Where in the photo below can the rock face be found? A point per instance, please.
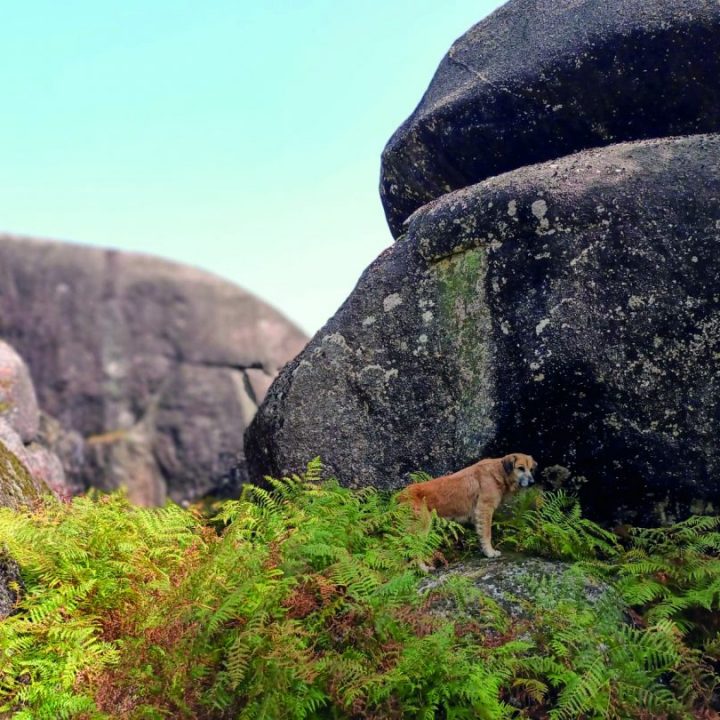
(540, 79)
(570, 310)
(151, 369)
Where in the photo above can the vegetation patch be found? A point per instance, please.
(305, 600)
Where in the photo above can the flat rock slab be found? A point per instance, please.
(514, 582)
(570, 310)
(145, 359)
(540, 79)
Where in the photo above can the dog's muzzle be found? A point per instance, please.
(526, 481)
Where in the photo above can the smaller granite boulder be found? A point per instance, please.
(20, 423)
(71, 450)
(18, 403)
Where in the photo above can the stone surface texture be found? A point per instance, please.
(540, 79)
(152, 369)
(569, 309)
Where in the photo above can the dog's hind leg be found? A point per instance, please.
(483, 527)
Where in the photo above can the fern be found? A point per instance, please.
(301, 599)
(551, 525)
(673, 573)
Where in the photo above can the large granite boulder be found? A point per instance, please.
(570, 310)
(540, 79)
(159, 367)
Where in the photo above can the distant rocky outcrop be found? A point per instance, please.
(540, 79)
(148, 370)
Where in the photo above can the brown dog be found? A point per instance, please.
(474, 493)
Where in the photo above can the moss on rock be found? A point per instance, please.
(467, 329)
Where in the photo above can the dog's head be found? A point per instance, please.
(519, 469)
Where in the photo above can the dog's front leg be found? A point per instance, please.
(483, 527)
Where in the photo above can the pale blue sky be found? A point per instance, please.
(242, 137)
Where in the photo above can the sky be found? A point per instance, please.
(240, 137)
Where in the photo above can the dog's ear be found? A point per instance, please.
(508, 463)
(534, 466)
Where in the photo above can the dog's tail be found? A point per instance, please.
(418, 504)
(423, 518)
